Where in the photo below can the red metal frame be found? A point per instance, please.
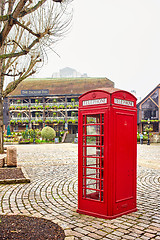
(107, 153)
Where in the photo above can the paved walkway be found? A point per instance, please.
(52, 194)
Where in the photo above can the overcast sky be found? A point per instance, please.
(117, 39)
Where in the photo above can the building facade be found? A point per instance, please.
(36, 103)
(149, 109)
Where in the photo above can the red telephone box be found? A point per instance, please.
(107, 152)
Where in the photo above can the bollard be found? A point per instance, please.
(11, 156)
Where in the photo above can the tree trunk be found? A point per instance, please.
(1, 107)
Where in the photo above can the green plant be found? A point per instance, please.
(48, 133)
(47, 121)
(19, 114)
(19, 107)
(36, 101)
(54, 114)
(18, 101)
(40, 121)
(55, 121)
(72, 100)
(32, 107)
(61, 106)
(25, 134)
(73, 113)
(69, 106)
(47, 107)
(69, 121)
(39, 107)
(12, 108)
(54, 107)
(54, 100)
(19, 121)
(61, 121)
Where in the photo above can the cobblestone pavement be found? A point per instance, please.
(52, 194)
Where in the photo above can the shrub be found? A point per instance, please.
(48, 133)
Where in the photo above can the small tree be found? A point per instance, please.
(28, 29)
(48, 133)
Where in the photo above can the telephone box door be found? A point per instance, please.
(92, 176)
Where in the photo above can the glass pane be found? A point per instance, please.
(102, 185)
(92, 194)
(101, 174)
(93, 130)
(102, 130)
(83, 119)
(93, 119)
(102, 143)
(155, 97)
(102, 162)
(84, 151)
(92, 183)
(101, 196)
(83, 172)
(84, 130)
(93, 151)
(93, 173)
(102, 118)
(92, 140)
(95, 162)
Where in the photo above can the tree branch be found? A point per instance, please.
(8, 26)
(14, 84)
(25, 27)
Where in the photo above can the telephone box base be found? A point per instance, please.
(105, 216)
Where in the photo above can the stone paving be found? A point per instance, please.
(52, 194)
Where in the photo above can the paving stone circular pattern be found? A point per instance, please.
(53, 195)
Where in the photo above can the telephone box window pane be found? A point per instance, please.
(91, 151)
(83, 192)
(92, 194)
(102, 163)
(84, 141)
(92, 183)
(83, 119)
(102, 118)
(102, 140)
(84, 151)
(92, 140)
(101, 174)
(84, 182)
(93, 173)
(93, 119)
(102, 152)
(94, 151)
(101, 196)
(102, 129)
(93, 130)
(94, 162)
(102, 185)
(83, 172)
(84, 132)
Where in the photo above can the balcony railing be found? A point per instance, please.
(44, 104)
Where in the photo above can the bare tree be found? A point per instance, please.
(28, 29)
